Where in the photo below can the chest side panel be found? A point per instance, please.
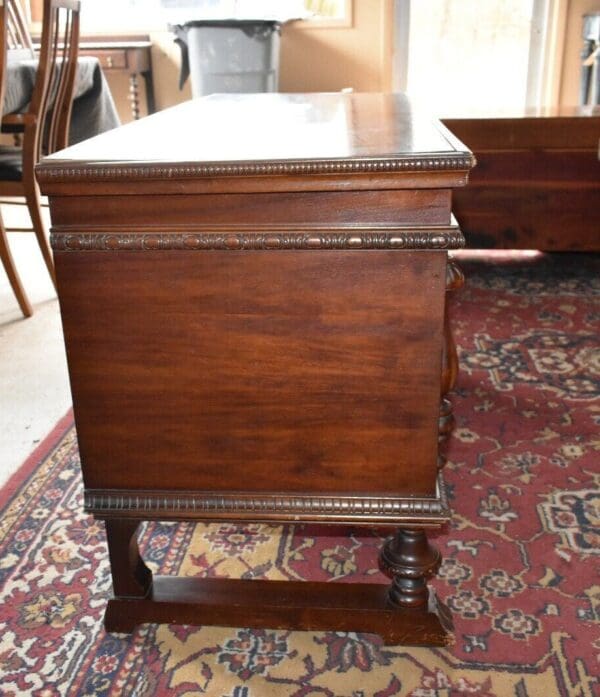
(258, 371)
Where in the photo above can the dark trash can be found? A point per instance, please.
(229, 55)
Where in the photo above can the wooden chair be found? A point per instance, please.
(17, 29)
(45, 125)
(20, 47)
(8, 39)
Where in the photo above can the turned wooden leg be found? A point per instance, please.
(410, 559)
(454, 280)
(134, 95)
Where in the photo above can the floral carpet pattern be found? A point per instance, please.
(521, 556)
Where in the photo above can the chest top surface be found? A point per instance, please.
(267, 135)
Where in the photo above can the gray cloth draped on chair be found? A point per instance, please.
(94, 110)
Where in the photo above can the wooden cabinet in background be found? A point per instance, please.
(130, 54)
(537, 180)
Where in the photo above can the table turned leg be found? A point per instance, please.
(410, 559)
(134, 95)
(131, 578)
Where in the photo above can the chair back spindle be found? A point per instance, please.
(55, 83)
(17, 28)
(14, 36)
(4, 41)
(45, 124)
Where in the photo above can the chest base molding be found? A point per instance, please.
(169, 505)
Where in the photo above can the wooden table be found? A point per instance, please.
(133, 57)
(537, 180)
(129, 54)
(254, 317)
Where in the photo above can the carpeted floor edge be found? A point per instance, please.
(41, 452)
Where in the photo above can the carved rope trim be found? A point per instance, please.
(447, 239)
(174, 503)
(53, 172)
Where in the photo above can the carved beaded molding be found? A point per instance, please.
(51, 172)
(76, 242)
(153, 504)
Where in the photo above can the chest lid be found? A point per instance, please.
(267, 142)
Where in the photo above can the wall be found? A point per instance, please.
(330, 59)
(165, 67)
(312, 58)
(569, 88)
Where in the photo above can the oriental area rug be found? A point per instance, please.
(521, 556)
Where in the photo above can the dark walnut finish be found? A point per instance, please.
(253, 300)
(537, 181)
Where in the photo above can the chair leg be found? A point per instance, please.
(11, 272)
(32, 195)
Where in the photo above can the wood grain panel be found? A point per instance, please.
(264, 371)
(536, 184)
(532, 200)
(187, 212)
(562, 169)
(575, 131)
(509, 217)
(295, 605)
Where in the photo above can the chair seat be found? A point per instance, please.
(11, 164)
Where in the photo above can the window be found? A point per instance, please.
(469, 56)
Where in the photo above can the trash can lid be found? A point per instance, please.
(231, 22)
